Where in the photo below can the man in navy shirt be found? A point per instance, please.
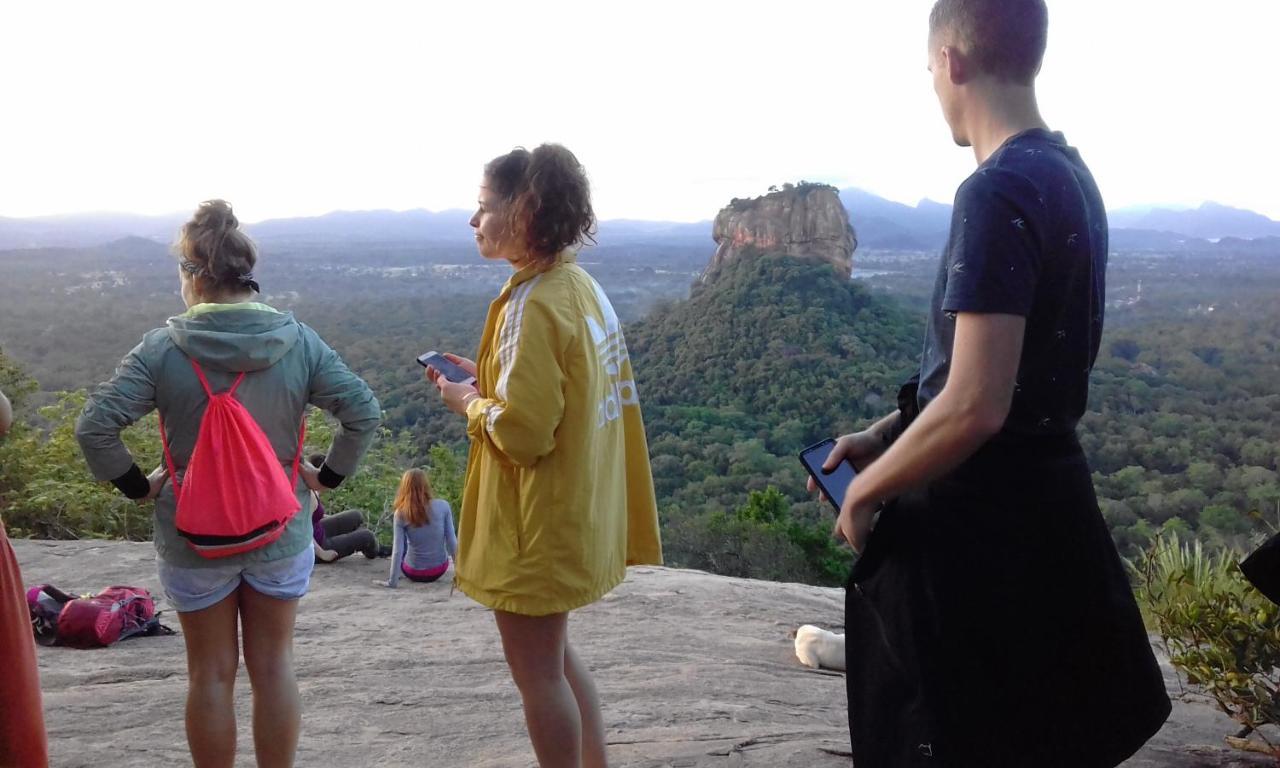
(989, 619)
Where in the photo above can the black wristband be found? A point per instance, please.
(133, 483)
(329, 478)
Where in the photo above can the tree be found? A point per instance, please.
(1125, 349)
(48, 491)
(1204, 476)
(1258, 452)
(766, 507)
(1225, 520)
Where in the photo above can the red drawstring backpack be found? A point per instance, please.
(234, 496)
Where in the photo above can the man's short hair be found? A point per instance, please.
(1004, 38)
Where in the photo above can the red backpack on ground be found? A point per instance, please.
(234, 496)
(113, 614)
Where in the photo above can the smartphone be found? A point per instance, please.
(833, 483)
(451, 371)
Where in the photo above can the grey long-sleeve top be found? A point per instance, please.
(424, 546)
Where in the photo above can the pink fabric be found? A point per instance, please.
(233, 486)
(425, 573)
(22, 738)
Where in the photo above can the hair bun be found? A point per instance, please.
(218, 249)
(215, 215)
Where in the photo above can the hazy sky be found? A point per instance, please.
(674, 107)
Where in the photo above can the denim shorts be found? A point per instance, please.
(194, 589)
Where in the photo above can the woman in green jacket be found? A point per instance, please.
(287, 366)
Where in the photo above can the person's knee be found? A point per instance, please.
(267, 625)
(366, 542)
(352, 520)
(213, 671)
(265, 665)
(535, 650)
(534, 678)
(533, 672)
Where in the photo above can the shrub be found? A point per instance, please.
(762, 539)
(1217, 629)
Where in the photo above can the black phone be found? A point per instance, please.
(451, 371)
(833, 483)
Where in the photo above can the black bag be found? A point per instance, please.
(1262, 568)
(908, 405)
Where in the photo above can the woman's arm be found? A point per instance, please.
(6, 415)
(450, 536)
(322, 554)
(397, 552)
(334, 388)
(520, 416)
(113, 406)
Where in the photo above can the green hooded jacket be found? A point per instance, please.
(288, 367)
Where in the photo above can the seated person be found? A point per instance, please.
(340, 535)
(424, 536)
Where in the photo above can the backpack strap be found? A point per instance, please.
(302, 427)
(168, 457)
(204, 383)
(55, 593)
(302, 439)
(164, 436)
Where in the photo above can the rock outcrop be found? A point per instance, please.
(806, 221)
(694, 670)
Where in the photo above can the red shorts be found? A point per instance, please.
(22, 739)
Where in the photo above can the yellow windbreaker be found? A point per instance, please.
(559, 494)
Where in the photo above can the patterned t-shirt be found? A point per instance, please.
(1028, 237)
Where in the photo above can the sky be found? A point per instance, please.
(674, 108)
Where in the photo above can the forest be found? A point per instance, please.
(735, 377)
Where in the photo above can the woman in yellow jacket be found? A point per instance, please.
(559, 496)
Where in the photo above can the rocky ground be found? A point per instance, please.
(694, 670)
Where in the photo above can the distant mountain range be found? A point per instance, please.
(82, 229)
(1209, 222)
(887, 225)
(880, 224)
(884, 224)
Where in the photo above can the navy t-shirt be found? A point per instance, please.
(1028, 237)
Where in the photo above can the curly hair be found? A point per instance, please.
(546, 197)
(215, 252)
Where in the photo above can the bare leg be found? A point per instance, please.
(213, 656)
(268, 655)
(535, 651)
(584, 691)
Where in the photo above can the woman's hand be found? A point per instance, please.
(456, 396)
(311, 476)
(157, 480)
(467, 365)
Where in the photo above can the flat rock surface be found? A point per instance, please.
(693, 669)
